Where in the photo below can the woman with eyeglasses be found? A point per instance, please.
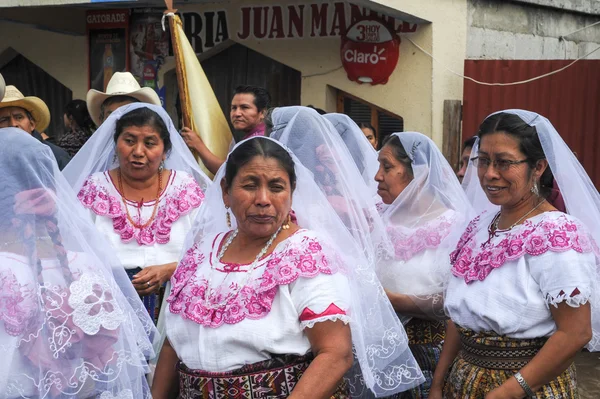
(523, 296)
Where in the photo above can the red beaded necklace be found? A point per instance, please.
(124, 199)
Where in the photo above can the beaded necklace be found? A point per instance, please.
(253, 266)
(124, 199)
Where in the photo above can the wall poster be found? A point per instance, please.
(108, 50)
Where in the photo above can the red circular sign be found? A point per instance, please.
(370, 52)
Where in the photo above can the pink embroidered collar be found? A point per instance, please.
(410, 242)
(298, 256)
(477, 255)
(179, 198)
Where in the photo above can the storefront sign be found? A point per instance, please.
(107, 33)
(308, 20)
(370, 52)
(208, 29)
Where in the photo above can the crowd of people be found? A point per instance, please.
(313, 265)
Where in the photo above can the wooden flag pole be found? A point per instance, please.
(181, 83)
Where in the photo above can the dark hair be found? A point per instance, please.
(77, 109)
(262, 98)
(367, 125)
(113, 100)
(144, 117)
(469, 143)
(263, 147)
(399, 152)
(319, 110)
(529, 142)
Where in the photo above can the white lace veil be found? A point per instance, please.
(580, 196)
(318, 145)
(362, 151)
(71, 324)
(98, 153)
(424, 224)
(380, 342)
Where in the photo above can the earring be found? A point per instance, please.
(161, 166)
(228, 216)
(286, 225)
(115, 158)
(535, 189)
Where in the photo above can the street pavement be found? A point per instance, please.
(588, 375)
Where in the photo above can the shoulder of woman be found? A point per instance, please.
(96, 179)
(558, 219)
(307, 240)
(184, 177)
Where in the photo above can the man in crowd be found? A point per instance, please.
(122, 89)
(247, 114)
(32, 115)
(464, 158)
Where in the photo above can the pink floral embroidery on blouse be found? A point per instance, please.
(181, 198)
(475, 261)
(189, 296)
(17, 305)
(409, 242)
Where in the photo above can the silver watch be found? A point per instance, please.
(524, 385)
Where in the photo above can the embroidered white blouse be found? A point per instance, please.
(415, 268)
(159, 243)
(299, 284)
(507, 284)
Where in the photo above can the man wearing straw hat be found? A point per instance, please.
(122, 89)
(30, 114)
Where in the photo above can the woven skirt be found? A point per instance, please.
(151, 302)
(487, 360)
(271, 379)
(425, 338)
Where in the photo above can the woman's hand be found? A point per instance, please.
(436, 392)
(151, 278)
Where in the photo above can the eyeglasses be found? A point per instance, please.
(501, 165)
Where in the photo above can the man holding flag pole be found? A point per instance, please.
(248, 109)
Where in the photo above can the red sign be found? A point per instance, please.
(370, 52)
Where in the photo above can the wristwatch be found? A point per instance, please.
(524, 384)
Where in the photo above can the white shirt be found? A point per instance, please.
(540, 263)
(421, 263)
(162, 241)
(294, 287)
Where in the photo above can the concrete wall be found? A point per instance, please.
(508, 30)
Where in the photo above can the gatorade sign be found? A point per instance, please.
(370, 52)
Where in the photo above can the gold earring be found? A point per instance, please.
(286, 225)
(228, 217)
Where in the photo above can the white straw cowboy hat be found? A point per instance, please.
(2, 87)
(121, 84)
(35, 106)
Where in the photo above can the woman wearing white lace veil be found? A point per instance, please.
(425, 211)
(360, 148)
(67, 329)
(318, 145)
(142, 187)
(231, 318)
(524, 296)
